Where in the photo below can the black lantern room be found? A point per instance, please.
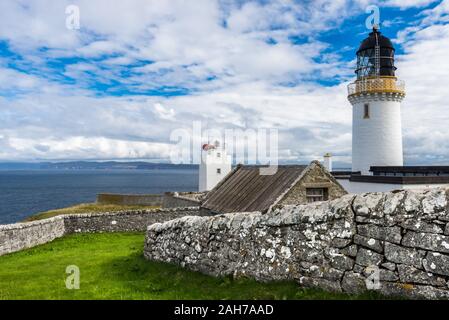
(375, 56)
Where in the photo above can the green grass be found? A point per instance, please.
(86, 208)
(112, 267)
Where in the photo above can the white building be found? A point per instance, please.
(377, 154)
(215, 165)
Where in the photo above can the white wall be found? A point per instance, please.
(424, 186)
(376, 141)
(363, 187)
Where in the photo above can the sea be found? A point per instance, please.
(27, 192)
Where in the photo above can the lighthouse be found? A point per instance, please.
(376, 98)
(377, 157)
(215, 165)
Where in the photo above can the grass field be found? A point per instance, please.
(86, 208)
(112, 267)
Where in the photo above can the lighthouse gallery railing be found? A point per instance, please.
(377, 85)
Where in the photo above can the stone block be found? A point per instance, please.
(342, 262)
(340, 243)
(409, 274)
(333, 274)
(398, 254)
(389, 265)
(367, 204)
(390, 234)
(350, 251)
(368, 258)
(428, 241)
(387, 275)
(369, 243)
(437, 263)
(421, 226)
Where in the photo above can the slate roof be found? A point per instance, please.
(245, 190)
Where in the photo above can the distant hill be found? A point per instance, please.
(107, 165)
(92, 165)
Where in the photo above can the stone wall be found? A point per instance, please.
(396, 243)
(130, 199)
(16, 237)
(194, 195)
(130, 221)
(180, 200)
(167, 200)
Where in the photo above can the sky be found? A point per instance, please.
(136, 70)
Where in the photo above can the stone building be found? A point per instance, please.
(245, 189)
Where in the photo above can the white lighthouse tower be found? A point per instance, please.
(215, 165)
(376, 98)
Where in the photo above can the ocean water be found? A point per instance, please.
(26, 192)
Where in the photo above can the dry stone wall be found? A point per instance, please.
(127, 221)
(179, 200)
(396, 243)
(16, 237)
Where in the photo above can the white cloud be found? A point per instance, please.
(14, 80)
(426, 110)
(100, 48)
(79, 147)
(163, 113)
(403, 4)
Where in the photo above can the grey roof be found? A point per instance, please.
(400, 179)
(430, 170)
(245, 190)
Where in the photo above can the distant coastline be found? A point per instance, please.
(102, 165)
(93, 165)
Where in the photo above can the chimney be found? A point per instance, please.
(328, 162)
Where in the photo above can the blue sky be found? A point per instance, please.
(137, 70)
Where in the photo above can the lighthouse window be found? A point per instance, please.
(366, 111)
(218, 155)
(218, 171)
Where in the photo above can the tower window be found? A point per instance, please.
(366, 111)
(218, 171)
(218, 155)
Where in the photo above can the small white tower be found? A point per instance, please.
(215, 165)
(376, 98)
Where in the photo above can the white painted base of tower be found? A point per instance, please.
(377, 132)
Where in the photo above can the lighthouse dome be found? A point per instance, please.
(367, 55)
(370, 42)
